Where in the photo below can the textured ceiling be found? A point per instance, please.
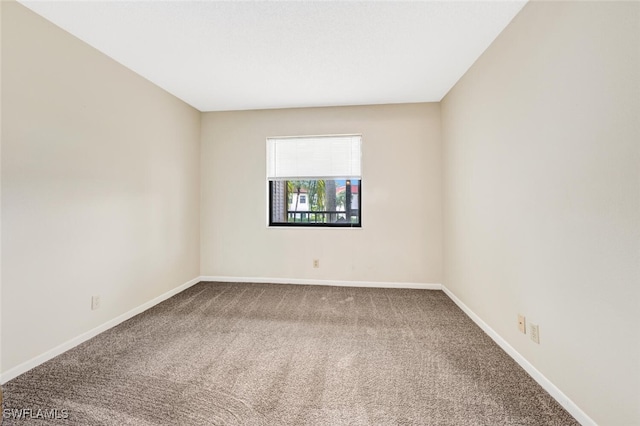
(251, 55)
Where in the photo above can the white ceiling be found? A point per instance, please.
(269, 54)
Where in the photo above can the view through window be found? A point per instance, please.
(323, 201)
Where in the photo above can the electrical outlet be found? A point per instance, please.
(95, 302)
(522, 325)
(534, 332)
(316, 263)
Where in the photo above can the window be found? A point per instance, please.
(314, 181)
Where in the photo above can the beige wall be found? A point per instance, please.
(1, 6)
(400, 239)
(541, 160)
(100, 187)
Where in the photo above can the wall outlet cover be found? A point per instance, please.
(95, 302)
(522, 324)
(534, 332)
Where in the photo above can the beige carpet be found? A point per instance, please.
(265, 354)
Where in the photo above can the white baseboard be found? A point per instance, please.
(374, 284)
(46, 356)
(546, 384)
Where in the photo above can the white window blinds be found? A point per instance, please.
(314, 157)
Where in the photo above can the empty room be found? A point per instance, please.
(320, 212)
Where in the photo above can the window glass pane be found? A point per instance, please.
(315, 202)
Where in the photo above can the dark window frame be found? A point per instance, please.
(315, 225)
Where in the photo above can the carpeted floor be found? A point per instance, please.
(265, 354)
